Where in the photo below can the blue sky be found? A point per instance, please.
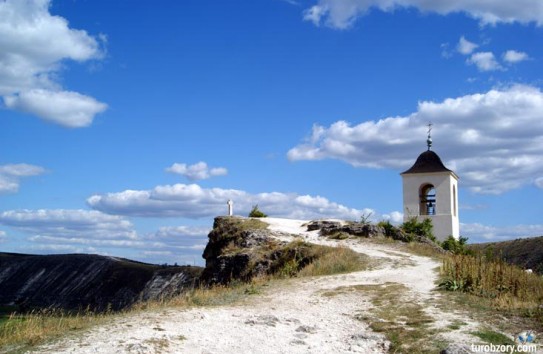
(126, 126)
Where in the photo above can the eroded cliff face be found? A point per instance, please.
(244, 248)
(81, 281)
(238, 248)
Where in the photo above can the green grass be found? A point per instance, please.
(493, 337)
(5, 313)
(240, 224)
(456, 325)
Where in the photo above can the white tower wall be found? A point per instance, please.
(445, 220)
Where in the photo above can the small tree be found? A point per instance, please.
(421, 228)
(387, 226)
(456, 246)
(365, 218)
(256, 213)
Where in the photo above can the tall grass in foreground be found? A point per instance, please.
(34, 327)
(509, 287)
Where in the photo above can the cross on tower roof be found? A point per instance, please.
(429, 140)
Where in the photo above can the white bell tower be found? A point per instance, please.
(430, 190)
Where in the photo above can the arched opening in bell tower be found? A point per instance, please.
(427, 200)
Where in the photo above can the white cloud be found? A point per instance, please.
(69, 109)
(193, 201)
(315, 14)
(169, 232)
(513, 57)
(342, 14)
(178, 239)
(197, 171)
(33, 45)
(292, 2)
(465, 47)
(486, 233)
(10, 175)
(66, 224)
(539, 182)
(395, 217)
(86, 241)
(493, 140)
(484, 61)
(90, 231)
(445, 51)
(60, 248)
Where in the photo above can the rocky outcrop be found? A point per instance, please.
(243, 248)
(81, 281)
(335, 228)
(238, 248)
(328, 228)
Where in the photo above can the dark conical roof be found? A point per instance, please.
(428, 161)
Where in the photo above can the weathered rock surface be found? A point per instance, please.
(322, 225)
(352, 228)
(243, 248)
(80, 281)
(232, 250)
(331, 228)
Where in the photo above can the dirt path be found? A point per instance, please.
(296, 317)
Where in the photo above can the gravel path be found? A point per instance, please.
(291, 318)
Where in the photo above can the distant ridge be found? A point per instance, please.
(524, 252)
(80, 281)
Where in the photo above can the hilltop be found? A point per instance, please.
(390, 303)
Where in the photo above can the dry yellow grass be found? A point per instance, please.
(32, 328)
(509, 287)
(335, 261)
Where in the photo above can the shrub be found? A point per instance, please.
(365, 218)
(256, 213)
(456, 246)
(388, 227)
(420, 228)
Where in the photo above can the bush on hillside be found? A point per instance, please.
(256, 213)
(390, 230)
(456, 246)
(419, 228)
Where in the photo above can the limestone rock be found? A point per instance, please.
(322, 224)
(243, 248)
(352, 228)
